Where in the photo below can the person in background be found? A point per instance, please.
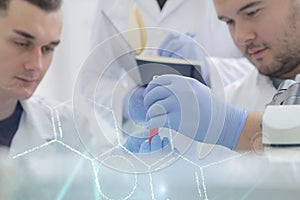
(197, 18)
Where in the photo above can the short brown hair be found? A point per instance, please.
(46, 5)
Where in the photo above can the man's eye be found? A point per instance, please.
(47, 49)
(253, 13)
(22, 44)
(229, 22)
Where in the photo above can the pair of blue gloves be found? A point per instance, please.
(187, 106)
(183, 104)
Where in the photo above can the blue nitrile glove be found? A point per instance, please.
(133, 144)
(184, 47)
(156, 144)
(189, 107)
(142, 145)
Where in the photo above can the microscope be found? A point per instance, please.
(281, 120)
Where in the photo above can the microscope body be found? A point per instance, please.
(281, 120)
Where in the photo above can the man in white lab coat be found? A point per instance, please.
(272, 45)
(30, 31)
(182, 16)
(267, 32)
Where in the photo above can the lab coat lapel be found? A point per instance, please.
(152, 9)
(35, 128)
(170, 6)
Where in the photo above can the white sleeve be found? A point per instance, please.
(229, 69)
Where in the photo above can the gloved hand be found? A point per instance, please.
(142, 145)
(189, 107)
(184, 47)
(137, 112)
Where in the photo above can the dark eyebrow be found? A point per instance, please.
(28, 36)
(24, 34)
(55, 43)
(251, 4)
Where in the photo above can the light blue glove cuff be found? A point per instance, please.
(234, 123)
(225, 125)
(226, 122)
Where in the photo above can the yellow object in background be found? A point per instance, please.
(136, 35)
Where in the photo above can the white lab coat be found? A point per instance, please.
(36, 127)
(43, 121)
(193, 16)
(253, 92)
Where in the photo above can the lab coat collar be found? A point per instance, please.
(170, 6)
(36, 127)
(38, 112)
(152, 7)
